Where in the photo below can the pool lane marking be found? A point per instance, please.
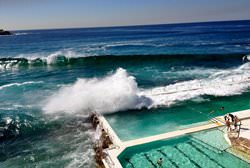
(122, 145)
(206, 145)
(202, 152)
(189, 158)
(128, 160)
(171, 161)
(149, 160)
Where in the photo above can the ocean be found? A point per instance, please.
(50, 80)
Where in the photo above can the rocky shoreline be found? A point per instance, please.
(3, 32)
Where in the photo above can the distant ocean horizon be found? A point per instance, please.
(50, 80)
(132, 25)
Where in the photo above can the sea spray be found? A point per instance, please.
(119, 92)
(115, 92)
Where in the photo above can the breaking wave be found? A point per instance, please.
(62, 58)
(115, 92)
(119, 92)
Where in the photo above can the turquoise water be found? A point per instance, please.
(50, 80)
(143, 123)
(202, 149)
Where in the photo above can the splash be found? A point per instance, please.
(115, 92)
(119, 92)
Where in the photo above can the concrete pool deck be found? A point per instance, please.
(245, 129)
(119, 146)
(240, 141)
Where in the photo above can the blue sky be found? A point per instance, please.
(40, 14)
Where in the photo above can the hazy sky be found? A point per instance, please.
(39, 14)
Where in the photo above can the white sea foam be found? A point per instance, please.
(19, 84)
(119, 91)
(46, 58)
(246, 58)
(8, 64)
(223, 83)
(8, 120)
(18, 34)
(116, 92)
(51, 58)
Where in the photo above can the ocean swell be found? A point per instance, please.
(119, 92)
(63, 58)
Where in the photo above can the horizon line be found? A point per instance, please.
(132, 25)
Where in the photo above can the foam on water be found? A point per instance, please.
(115, 92)
(119, 92)
(223, 83)
(19, 84)
(19, 33)
(52, 58)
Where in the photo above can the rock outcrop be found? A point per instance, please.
(3, 32)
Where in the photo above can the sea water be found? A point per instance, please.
(145, 80)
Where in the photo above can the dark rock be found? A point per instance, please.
(3, 32)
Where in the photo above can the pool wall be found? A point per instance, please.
(113, 153)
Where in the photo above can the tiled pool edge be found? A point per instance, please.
(119, 146)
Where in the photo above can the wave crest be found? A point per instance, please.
(62, 58)
(115, 92)
(119, 92)
(19, 84)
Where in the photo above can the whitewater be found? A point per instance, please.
(119, 91)
(145, 80)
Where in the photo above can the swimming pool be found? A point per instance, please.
(202, 149)
(147, 122)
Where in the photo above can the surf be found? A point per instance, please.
(119, 91)
(115, 92)
(65, 58)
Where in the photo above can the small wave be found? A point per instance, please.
(19, 34)
(125, 44)
(19, 84)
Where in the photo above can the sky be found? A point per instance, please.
(44, 14)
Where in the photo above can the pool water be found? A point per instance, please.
(135, 124)
(203, 149)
